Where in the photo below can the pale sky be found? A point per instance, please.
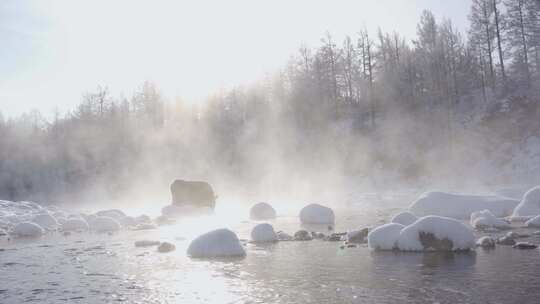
(52, 51)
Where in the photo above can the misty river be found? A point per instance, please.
(101, 268)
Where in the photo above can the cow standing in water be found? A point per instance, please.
(193, 193)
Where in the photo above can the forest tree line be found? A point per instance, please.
(374, 106)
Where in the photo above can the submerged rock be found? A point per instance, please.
(263, 233)
(216, 243)
(302, 235)
(486, 242)
(262, 211)
(506, 241)
(525, 245)
(336, 237)
(316, 214)
(282, 236)
(166, 247)
(146, 243)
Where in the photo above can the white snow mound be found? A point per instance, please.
(404, 218)
(263, 233)
(385, 237)
(436, 233)
(316, 214)
(104, 224)
(460, 206)
(485, 219)
(262, 211)
(27, 229)
(529, 205)
(216, 243)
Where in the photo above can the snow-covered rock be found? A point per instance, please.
(263, 233)
(216, 243)
(529, 205)
(46, 221)
(75, 225)
(534, 222)
(485, 219)
(436, 233)
(404, 218)
(358, 236)
(316, 214)
(262, 211)
(27, 229)
(104, 224)
(460, 206)
(385, 237)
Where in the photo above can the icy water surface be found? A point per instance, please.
(93, 268)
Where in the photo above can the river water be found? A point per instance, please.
(101, 268)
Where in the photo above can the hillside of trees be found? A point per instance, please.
(443, 109)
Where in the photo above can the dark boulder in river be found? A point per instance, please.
(194, 193)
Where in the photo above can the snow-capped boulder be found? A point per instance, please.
(316, 214)
(460, 206)
(75, 225)
(262, 211)
(28, 229)
(404, 218)
(385, 237)
(216, 243)
(534, 222)
(486, 242)
(529, 205)
(485, 219)
(46, 221)
(104, 224)
(436, 233)
(263, 233)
